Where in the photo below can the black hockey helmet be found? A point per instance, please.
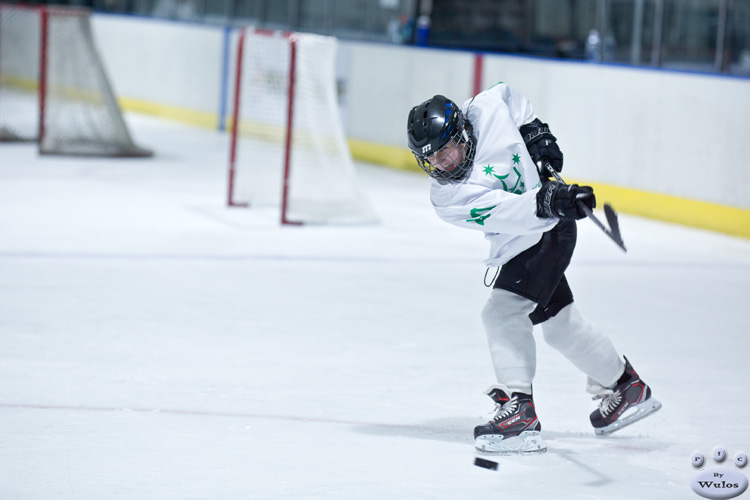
(434, 126)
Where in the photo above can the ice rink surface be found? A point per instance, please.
(155, 344)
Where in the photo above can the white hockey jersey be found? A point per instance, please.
(498, 196)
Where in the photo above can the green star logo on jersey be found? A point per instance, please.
(515, 189)
(518, 186)
(476, 214)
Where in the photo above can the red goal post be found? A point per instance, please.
(288, 147)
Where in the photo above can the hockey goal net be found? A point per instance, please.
(288, 147)
(53, 87)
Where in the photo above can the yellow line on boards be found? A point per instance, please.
(693, 213)
(381, 154)
(192, 117)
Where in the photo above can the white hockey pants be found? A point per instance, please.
(513, 348)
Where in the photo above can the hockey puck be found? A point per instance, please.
(487, 464)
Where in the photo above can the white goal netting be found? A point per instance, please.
(308, 172)
(53, 87)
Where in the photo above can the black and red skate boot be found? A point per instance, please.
(627, 402)
(515, 429)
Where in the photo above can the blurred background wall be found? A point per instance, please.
(705, 35)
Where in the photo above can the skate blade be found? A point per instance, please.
(526, 443)
(642, 411)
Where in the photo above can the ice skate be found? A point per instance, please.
(514, 430)
(629, 401)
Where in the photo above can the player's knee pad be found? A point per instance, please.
(567, 329)
(583, 344)
(504, 307)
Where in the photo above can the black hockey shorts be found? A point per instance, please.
(538, 272)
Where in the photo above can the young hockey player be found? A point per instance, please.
(487, 164)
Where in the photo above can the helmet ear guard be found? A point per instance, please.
(431, 127)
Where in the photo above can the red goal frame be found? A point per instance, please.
(291, 39)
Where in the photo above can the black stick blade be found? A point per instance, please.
(614, 225)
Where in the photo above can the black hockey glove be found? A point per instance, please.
(559, 200)
(542, 145)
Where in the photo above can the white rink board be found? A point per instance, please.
(385, 82)
(156, 344)
(167, 63)
(655, 131)
(659, 131)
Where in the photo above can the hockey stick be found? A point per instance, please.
(614, 226)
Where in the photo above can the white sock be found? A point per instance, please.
(590, 350)
(510, 338)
